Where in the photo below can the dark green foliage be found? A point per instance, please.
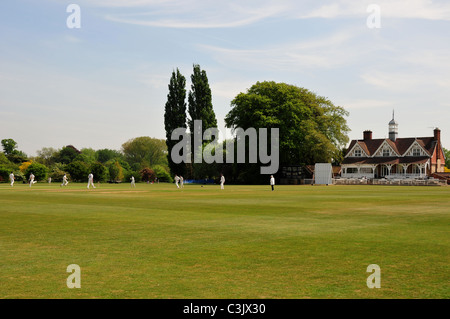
(57, 172)
(39, 171)
(9, 145)
(13, 155)
(4, 173)
(66, 155)
(115, 171)
(104, 155)
(200, 108)
(200, 101)
(78, 171)
(447, 157)
(175, 116)
(127, 176)
(99, 171)
(162, 174)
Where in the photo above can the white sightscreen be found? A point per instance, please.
(323, 173)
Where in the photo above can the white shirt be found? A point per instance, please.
(64, 178)
(272, 181)
(31, 176)
(132, 178)
(11, 176)
(91, 176)
(177, 179)
(222, 179)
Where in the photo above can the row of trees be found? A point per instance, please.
(312, 129)
(145, 158)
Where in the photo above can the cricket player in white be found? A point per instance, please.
(177, 179)
(132, 182)
(181, 181)
(65, 181)
(272, 181)
(90, 180)
(222, 181)
(11, 178)
(32, 181)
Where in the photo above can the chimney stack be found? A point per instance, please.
(367, 135)
(437, 134)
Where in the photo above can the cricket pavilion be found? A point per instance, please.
(394, 158)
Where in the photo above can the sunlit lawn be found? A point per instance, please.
(156, 241)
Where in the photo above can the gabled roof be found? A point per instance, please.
(400, 146)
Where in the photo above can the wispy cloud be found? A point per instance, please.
(325, 52)
(231, 14)
(412, 9)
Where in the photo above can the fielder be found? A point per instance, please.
(181, 181)
(32, 181)
(177, 179)
(222, 181)
(90, 180)
(272, 181)
(65, 181)
(11, 179)
(132, 182)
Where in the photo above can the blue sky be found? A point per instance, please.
(106, 82)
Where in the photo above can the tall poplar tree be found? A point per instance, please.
(200, 101)
(175, 116)
(200, 108)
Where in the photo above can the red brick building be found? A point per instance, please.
(394, 157)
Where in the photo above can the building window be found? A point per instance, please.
(386, 153)
(416, 152)
(352, 170)
(358, 153)
(366, 170)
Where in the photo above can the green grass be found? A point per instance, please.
(156, 241)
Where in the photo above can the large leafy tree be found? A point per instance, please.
(46, 155)
(9, 145)
(312, 128)
(67, 154)
(145, 151)
(104, 155)
(175, 116)
(11, 152)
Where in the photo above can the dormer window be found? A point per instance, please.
(416, 152)
(386, 153)
(358, 153)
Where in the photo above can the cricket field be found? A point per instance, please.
(159, 242)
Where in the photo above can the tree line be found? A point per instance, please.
(311, 128)
(144, 157)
